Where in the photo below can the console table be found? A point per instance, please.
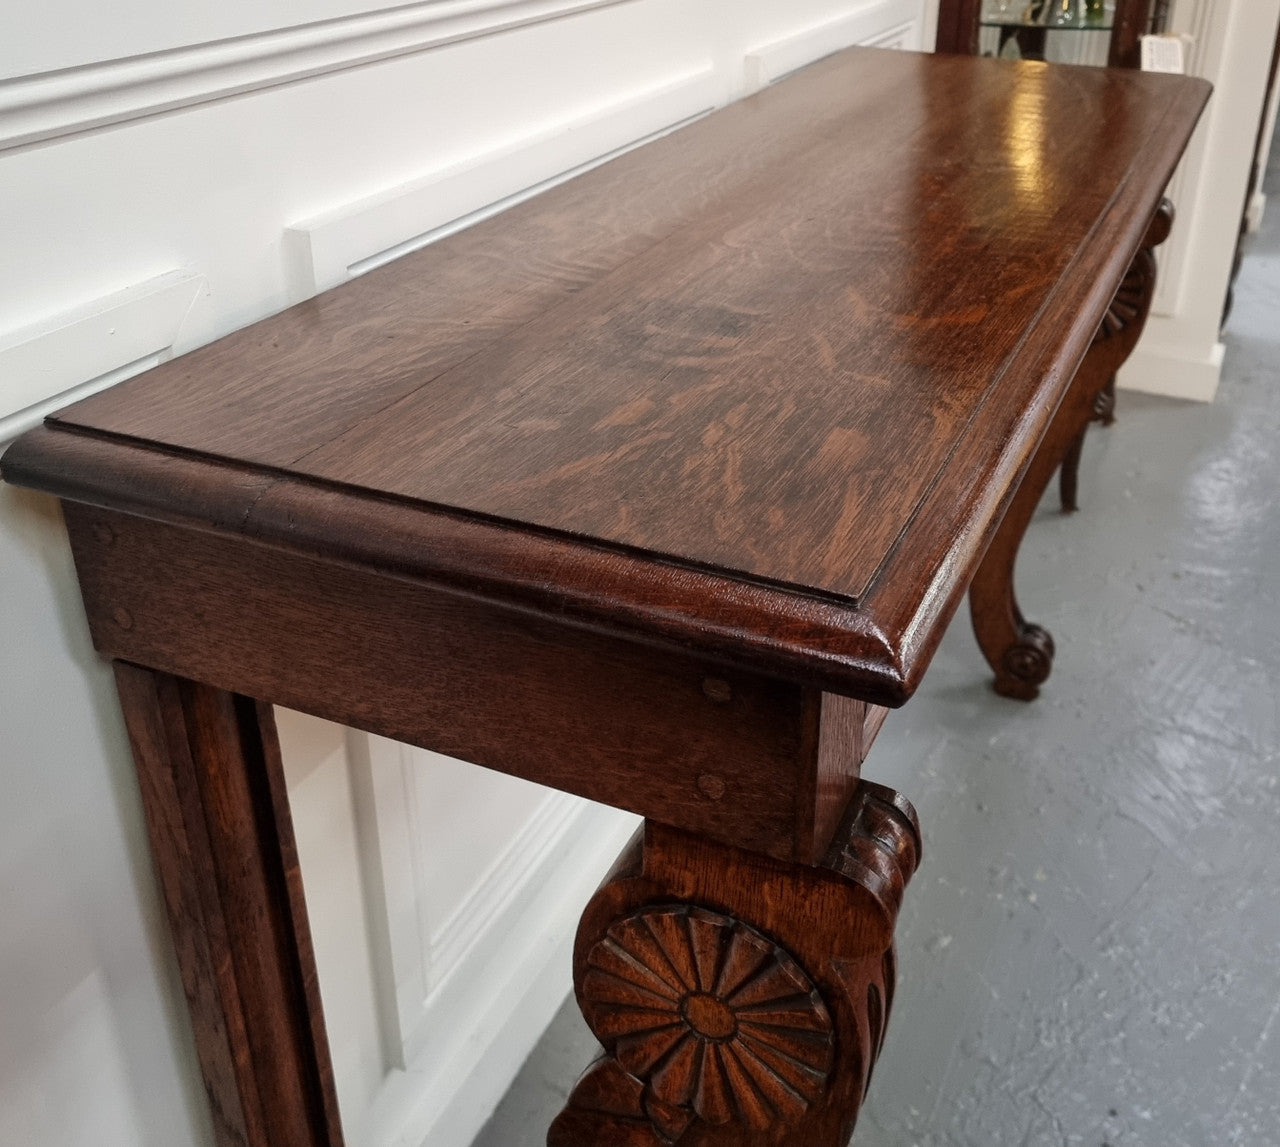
(658, 488)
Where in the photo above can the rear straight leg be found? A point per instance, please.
(740, 1000)
(222, 840)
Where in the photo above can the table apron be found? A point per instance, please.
(744, 759)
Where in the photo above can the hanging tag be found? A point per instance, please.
(1165, 53)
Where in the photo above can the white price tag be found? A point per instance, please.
(1164, 54)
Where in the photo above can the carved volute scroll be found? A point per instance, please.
(1027, 663)
(740, 1001)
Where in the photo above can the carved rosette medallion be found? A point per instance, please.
(1128, 311)
(1132, 298)
(716, 1020)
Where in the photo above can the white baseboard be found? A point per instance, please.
(1174, 374)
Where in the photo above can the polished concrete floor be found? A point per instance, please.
(1091, 952)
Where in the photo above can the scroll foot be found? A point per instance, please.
(1026, 664)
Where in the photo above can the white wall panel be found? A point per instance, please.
(328, 249)
(482, 878)
(91, 347)
(880, 23)
(48, 104)
(94, 1048)
(1257, 197)
(322, 800)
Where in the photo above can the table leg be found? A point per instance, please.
(740, 1000)
(222, 840)
(1020, 652)
(1114, 343)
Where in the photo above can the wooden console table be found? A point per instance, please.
(658, 489)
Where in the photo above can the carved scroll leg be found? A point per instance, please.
(222, 841)
(1118, 334)
(741, 1001)
(1022, 653)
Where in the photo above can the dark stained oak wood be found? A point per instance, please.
(958, 27)
(1133, 20)
(958, 32)
(658, 488)
(222, 841)
(741, 1002)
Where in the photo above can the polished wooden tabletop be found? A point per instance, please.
(761, 388)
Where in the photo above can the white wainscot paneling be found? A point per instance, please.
(327, 249)
(885, 24)
(49, 104)
(90, 347)
(443, 901)
(1194, 20)
(477, 928)
(82, 33)
(323, 805)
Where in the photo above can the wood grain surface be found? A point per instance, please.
(764, 386)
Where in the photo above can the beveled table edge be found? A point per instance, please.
(810, 639)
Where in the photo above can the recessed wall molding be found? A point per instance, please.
(50, 105)
(523, 859)
(327, 249)
(877, 24)
(903, 38)
(75, 352)
(465, 998)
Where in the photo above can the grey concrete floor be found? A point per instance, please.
(1091, 952)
